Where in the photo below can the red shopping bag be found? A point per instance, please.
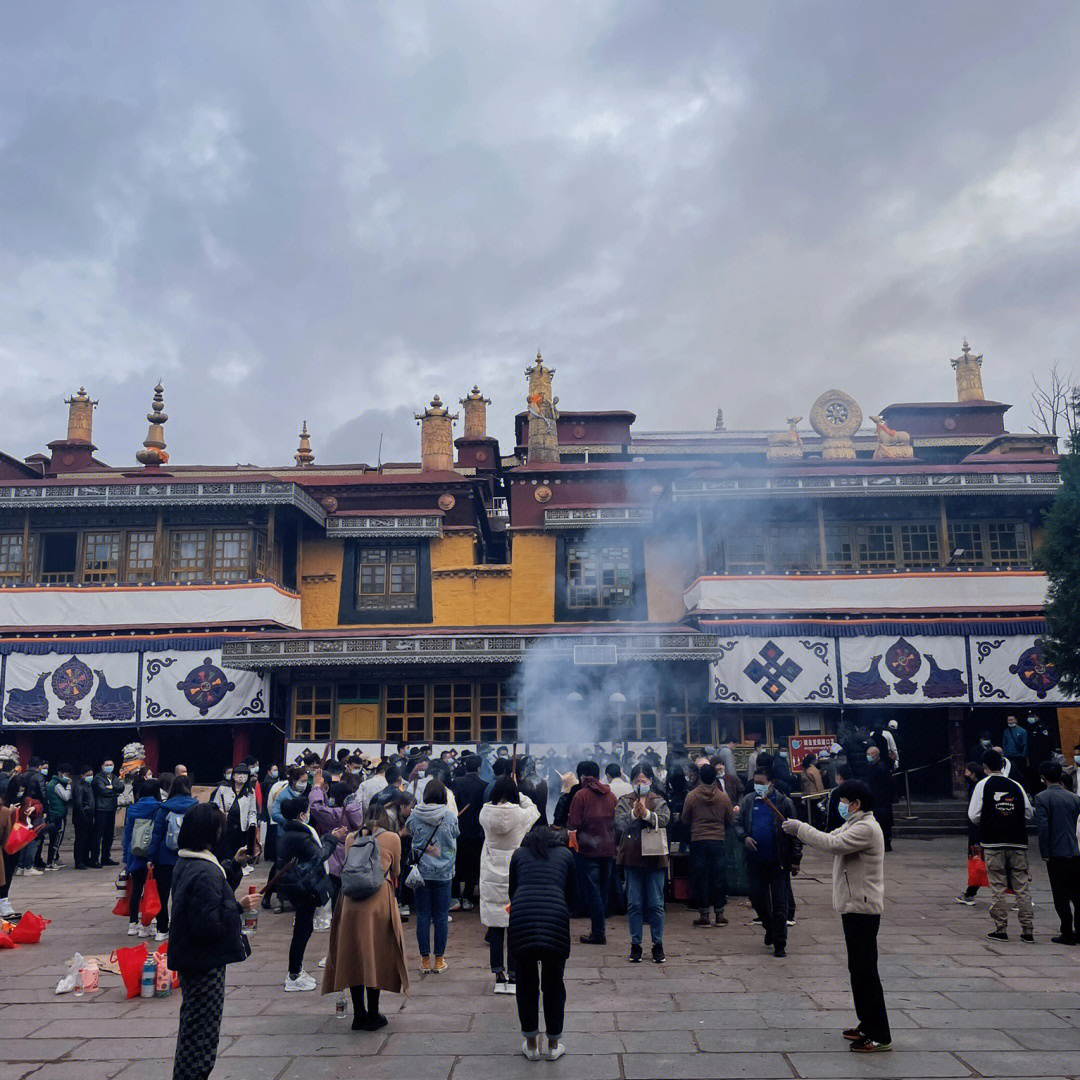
(977, 873)
(6, 942)
(130, 961)
(21, 833)
(151, 900)
(123, 905)
(29, 928)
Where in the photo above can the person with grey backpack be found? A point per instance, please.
(165, 849)
(138, 849)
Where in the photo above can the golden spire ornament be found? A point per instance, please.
(304, 456)
(154, 452)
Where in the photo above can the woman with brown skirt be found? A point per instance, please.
(367, 946)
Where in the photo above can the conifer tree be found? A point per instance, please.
(1059, 558)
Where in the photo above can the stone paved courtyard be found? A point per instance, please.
(722, 1006)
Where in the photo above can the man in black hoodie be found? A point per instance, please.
(469, 796)
(82, 817)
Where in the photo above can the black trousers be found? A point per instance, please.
(104, 828)
(707, 874)
(10, 863)
(1064, 875)
(860, 935)
(163, 877)
(467, 867)
(540, 970)
(84, 841)
(303, 924)
(770, 886)
(55, 832)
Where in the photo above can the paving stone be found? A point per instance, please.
(1022, 1063)
(574, 1066)
(39, 1050)
(766, 1066)
(969, 1018)
(894, 1065)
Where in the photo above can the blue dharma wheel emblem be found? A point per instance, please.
(71, 682)
(205, 686)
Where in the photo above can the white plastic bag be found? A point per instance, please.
(322, 916)
(67, 983)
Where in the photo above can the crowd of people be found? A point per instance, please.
(532, 842)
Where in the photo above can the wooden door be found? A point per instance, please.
(358, 722)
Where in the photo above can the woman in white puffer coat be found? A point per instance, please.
(505, 820)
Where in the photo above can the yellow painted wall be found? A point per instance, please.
(451, 552)
(320, 600)
(665, 571)
(1069, 728)
(532, 584)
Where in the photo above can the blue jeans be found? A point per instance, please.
(645, 895)
(597, 874)
(432, 906)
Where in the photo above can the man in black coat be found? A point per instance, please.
(879, 780)
(469, 795)
(108, 787)
(82, 817)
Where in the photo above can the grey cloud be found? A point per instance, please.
(332, 211)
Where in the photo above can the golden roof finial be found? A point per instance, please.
(154, 452)
(304, 456)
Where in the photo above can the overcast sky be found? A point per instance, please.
(330, 211)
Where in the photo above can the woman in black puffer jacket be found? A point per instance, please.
(542, 884)
(205, 934)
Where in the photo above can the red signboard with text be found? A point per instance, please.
(799, 746)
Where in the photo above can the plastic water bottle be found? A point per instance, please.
(79, 989)
(341, 1007)
(251, 916)
(149, 978)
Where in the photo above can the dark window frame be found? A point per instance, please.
(349, 614)
(637, 611)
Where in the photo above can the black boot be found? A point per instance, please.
(360, 1016)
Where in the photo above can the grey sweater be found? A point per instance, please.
(1056, 811)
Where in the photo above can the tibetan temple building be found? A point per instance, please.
(684, 587)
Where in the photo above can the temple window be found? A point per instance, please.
(919, 545)
(498, 713)
(189, 552)
(876, 547)
(388, 578)
(101, 556)
(12, 557)
(140, 556)
(232, 554)
(451, 711)
(313, 710)
(59, 557)
(600, 577)
(406, 713)
(1008, 544)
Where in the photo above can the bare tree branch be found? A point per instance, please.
(1051, 402)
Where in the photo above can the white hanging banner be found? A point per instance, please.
(69, 690)
(897, 670)
(775, 671)
(1013, 669)
(193, 686)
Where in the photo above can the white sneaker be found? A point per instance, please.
(159, 936)
(303, 981)
(449, 918)
(20, 871)
(455, 905)
(404, 911)
(248, 870)
(322, 962)
(6, 910)
(467, 905)
(133, 929)
(35, 872)
(555, 1050)
(144, 931)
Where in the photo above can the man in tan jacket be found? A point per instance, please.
(858, 847)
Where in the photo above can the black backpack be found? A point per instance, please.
(306, 883)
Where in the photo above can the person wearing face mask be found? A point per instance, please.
(1014, 745)
(858, 879)
(306, 886)
(879, 781)
(57, 801)
(108, 787)
(641, 820)
(269, 781)
(236, 801)
(293, 786)
(1070, 769)
(708, 812)
(82, 817)
(772, 856)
